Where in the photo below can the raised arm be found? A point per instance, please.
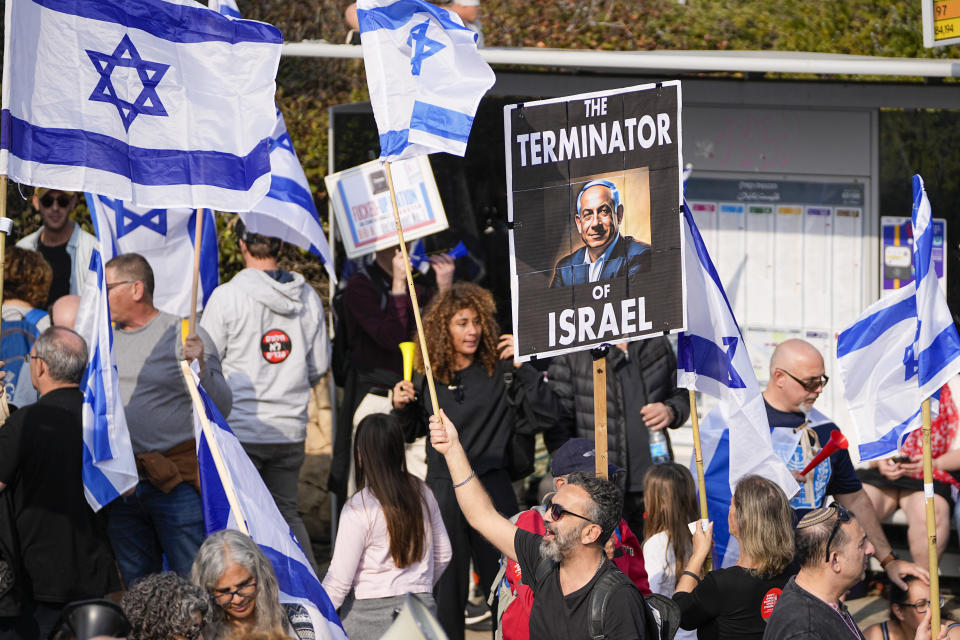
(471, 496)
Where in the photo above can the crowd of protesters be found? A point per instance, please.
(580, 563)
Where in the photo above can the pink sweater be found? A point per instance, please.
(361, 558)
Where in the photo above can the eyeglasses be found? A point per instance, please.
(113, 285)
(810, 385)
(222, 597)
(842, 516)
(556, 511)
(31, 356)
(921, 605)
(63, 200)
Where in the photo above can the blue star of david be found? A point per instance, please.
(424, 48)
(127, 220)
(150, 73)
(281, 142)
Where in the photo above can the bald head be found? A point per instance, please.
(63, 313)
(795, 365)
(790, 353)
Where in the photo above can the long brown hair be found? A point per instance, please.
(670, 499)
(379, 462)
(436, 327)
(764, 524)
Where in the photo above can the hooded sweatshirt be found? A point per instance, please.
(271, 336)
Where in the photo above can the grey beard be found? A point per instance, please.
(550, 550)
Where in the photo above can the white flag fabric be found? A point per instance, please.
(163, 103)
(287, 211)
(712, 358)
(258, 512)
(425, 75)
(165, 237)
(109, 468)
(900, 350)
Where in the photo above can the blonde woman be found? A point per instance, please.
(734, 603)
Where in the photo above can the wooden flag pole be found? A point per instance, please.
(931, 522)
(600, 408)
(698, 456)
(6, 225)
(427, 369)
(195, 288)
(215, 452)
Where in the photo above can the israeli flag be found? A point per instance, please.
(259, 515)
(109, 468)
(712, 358)
(425, 76)
(900, 351)
(167, 239)
(162, 103)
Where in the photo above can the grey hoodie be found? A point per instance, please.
(273, 347)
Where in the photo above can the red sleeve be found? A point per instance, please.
(631, 560)
(386, 327)
(529, 520)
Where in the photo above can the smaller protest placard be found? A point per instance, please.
(361, 202)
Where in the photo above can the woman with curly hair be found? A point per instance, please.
(26, 279)
(481, 390)
(164, 606)
(241, 582)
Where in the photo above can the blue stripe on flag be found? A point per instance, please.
(717, 478)
(299, 582)
(444, 123)
(169, 21)
(705, 357)
(96, 482)
(216, 508)
(922, 241)
(942, 353)
(704, 256)
(392, 143)
(76, 147)
(230, 12)
(889, 442)
(866, 331)
(96, 396)
(288, 190)
(399, 14)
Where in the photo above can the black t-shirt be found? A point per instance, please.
(59, 261)
(730, 604)
(63, 544)
(561, 617)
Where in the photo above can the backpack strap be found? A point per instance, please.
(600, 596)
(35, 315)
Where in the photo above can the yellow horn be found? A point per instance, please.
(406, 350)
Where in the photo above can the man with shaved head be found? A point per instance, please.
(798, 431)
(63, 312)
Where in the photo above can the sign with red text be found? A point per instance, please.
(361, 201)
(594, 191)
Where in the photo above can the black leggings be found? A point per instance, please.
(450, 591)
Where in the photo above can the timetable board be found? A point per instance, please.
(790, 256)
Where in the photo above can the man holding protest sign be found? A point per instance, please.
(605, 254)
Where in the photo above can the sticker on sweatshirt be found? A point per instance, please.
(769, 602)
(275, 346)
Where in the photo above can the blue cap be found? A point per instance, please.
(577, 454)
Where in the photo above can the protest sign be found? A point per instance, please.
(361, 202)
(594, 205)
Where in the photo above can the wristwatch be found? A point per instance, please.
(890, 558)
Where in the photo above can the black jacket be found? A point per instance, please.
(571, 378)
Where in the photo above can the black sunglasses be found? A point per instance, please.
(63, 200)
(810, 385)
(842, 516)
(556, 511)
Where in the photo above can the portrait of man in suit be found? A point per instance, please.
(605, 254)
